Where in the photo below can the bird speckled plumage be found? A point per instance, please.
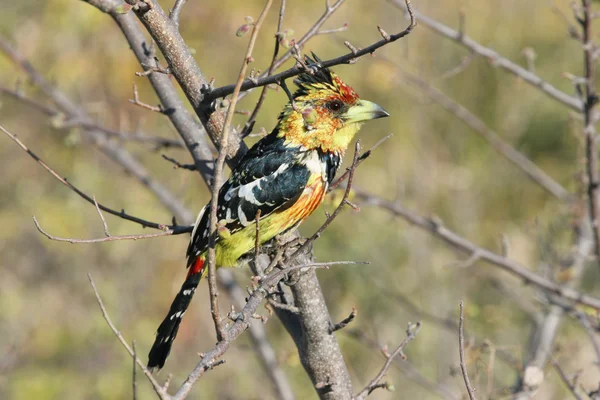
(285, 176)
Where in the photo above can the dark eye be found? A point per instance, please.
(335, 105)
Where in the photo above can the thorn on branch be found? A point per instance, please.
(137, 102)
(150, 69)
(343, 323)
(384, 34)
(177, 164)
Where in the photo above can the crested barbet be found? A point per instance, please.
(284, 176)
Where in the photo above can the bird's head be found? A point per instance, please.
(326, 114)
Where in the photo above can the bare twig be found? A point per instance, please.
(591, 145)
(113, 150)
(160, 391)
(534, 172)
(257, 236)
(174, 229)
(464, 245)
(343, 323)
(411, 333)
(109, 238)
(405, 367)
(151, 68)
(464, 63)
(60, 121)
(563, 377)
(461, 352)
(174, 14)
(137, 102)
(177, 164)
(263, 94)
(296, 70)
(219, 171)
(495, 59)
(361, 158)
(336, 212)
(342, 28)
(242, 322)
(134, 372)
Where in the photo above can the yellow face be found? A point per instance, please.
(327, 114)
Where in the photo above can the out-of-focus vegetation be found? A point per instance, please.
(54, 343)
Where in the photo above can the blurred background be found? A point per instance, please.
(54, 343)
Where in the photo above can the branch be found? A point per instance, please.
(496, 59)
(454, 240)
(298, 69)
(521, 161)
(121, 214)
(109, 238)
(591, 145)
(174, 14)
(406, 368)
(242, 322)
(461, 348)
(211, 257)
(112, 150)
(344, 323)
(563, 377)
(192, 133)
(411, 333)
(263, 94)
(305, 246)
(160, 391)
(155, 141)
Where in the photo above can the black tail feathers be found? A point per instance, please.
(167, 331)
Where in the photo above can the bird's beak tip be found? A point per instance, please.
(380, 113)
(367, 110)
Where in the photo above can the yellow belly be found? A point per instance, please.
(229, 250)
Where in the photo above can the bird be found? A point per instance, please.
(284, 177)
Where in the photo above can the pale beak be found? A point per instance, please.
(363, 111)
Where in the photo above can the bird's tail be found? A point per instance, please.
(167, 331)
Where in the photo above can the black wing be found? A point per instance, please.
(268, 178)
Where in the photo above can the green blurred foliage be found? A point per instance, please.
(54, 343)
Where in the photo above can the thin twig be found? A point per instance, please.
(563, 377)
(134, 373)
(175, 229)
(338, 209)
(219, 171)
(591, 145)
(534, 172)
(361, 158)
(461, 349)
(60, 121)
(174, 14)
(411, 333)
(344, 323)
(210, 358)
(99, 240)
(155, 385)
(296, 70)
(263, 94)
(177, 164)
(495, 58)
(435, 227)
(257, 236)
(404, 366)
(137, 102)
